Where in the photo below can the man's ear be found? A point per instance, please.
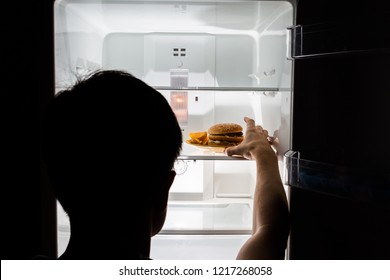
(170, 178)
(163, 193)
(167, 185)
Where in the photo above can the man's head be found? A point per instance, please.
(110, 142)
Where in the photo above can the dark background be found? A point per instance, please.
(28, 212)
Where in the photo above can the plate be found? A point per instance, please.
(207, 148)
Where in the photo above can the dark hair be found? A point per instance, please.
(109, 136)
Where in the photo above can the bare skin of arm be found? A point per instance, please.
(271, 227)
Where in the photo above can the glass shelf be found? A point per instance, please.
(209, 157)
(200, 152)
(208, 218)
(247, 89)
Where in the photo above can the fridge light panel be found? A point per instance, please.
(179, 104)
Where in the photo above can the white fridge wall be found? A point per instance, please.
(78, 44)
(150, 57)
(246, 43)
(128, 55)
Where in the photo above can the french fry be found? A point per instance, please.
(198, 137)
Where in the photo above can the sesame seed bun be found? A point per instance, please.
(224, 128)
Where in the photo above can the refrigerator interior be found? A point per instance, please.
(214, 61)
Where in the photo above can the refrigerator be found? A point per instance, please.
(315, 76)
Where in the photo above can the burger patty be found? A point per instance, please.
(236, 134)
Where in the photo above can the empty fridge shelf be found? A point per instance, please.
(189, 218)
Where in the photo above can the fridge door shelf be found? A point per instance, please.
(335, 180)
(334, 38)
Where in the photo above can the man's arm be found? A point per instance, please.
(270, 208)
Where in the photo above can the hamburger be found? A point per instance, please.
(225, 135)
